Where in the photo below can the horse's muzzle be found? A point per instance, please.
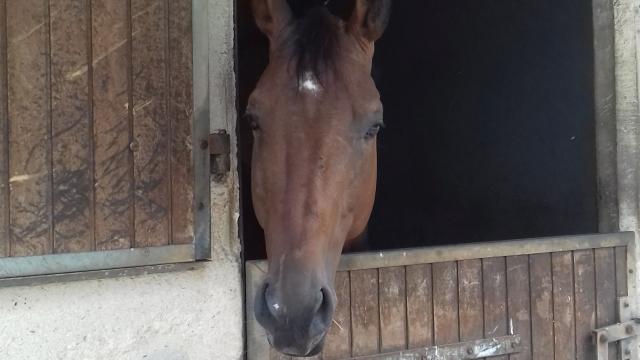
(296, 322)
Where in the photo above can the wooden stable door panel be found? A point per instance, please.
(95, 125)
(551, 293)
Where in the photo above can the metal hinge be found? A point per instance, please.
(625, 334)
(219, 150)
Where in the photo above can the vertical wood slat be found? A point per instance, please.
(541, 306)
(585, 305)
(71, 145)
(338, 342)
(471, 299)
(180, 114)
(113, 187)
(519, 303)
(621, 272)
(605, 268)
(419, 305)
(494, 281)
(365, 321)
(29, 115)
(563, 305)
(151, 127)
(5, 245)
(445, 303)
(393, 310)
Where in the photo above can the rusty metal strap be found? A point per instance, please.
(475, 349)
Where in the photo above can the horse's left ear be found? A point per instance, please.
(370, 18)
(271, 16)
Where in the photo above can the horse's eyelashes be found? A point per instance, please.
(373, 131)
(252, 120)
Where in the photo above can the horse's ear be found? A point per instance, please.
(271, 16)
(369, 18)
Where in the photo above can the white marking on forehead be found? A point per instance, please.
(309, 83)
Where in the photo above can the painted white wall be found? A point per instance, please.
(173, 316)
(190, 315)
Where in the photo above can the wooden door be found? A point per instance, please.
(551, 292)
(95, 125)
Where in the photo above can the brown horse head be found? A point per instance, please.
(315, 114)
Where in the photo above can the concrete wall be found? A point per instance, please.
(627, 114)
(195, 314)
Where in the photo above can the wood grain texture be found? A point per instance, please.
(151, 127)
(605, 270)
(541, 306)
(113, 171)
(494, 282)
(5, 244)
(621, 272)
(519, 303)
(338, 342)
(445, 303)
(585, 302)
(71, 127)
(393, 310)
(471, 300)
(563, 306)
(365, 320)
(29, 116)
(181, 117)
(419, 305)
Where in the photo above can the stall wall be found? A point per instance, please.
(187, 314)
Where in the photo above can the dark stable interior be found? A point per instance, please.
(490, 130)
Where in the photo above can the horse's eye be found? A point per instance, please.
(253, 122)
(373, 131)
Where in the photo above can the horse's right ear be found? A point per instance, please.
(369, 18)
(271, 16)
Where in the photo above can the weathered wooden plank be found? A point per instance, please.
(180, 110)
(563, 306)
(471, 300)
(621, 271)
(5, 244)
(494, 282)
(338, 342)
(111, 90)
(605, 270)
(419, 305)
(541, 306)
(70, 125)
(365, 320)
(151, 127)
(585, 304)
(519, 303)
(29, 138)
(393, 309)
(445, 303)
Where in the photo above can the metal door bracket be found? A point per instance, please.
(476, 349)
(219, 150)
(625, 334)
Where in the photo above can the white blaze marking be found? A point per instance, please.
(310, 83)
(276, 306)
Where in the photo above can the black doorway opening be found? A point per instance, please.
(490, 126)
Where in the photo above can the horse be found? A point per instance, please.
(315, 114)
